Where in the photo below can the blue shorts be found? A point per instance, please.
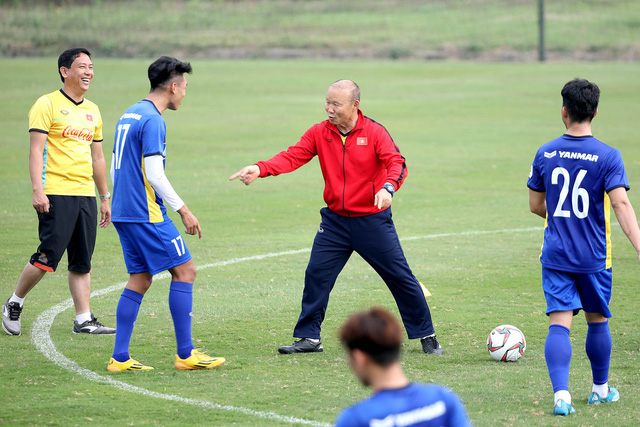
(565, 291)
(151, 247)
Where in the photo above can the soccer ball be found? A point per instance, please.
(506, 343)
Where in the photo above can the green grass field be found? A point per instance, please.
(468, 132)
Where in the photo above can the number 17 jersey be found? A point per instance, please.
(576, 173)
(140, 132)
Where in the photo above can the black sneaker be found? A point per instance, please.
(302, 346)
(11, 318)
(430, 345)
(92, 327)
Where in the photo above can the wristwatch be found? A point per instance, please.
(390, 188)
(105, 196)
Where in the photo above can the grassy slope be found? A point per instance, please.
(380, 28)
(468, 131)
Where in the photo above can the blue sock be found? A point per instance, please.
(180, 305)
(598, 347)
(557, 352)
(126, 315)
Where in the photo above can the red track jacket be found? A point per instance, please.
(354, 172)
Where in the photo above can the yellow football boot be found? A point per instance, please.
(198, 360)
(129, 365)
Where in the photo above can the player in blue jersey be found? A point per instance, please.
(574, 180)
(372, 340)
(150, 241)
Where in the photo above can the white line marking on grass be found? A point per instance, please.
(475, 233)
(42, 339)
(44, 344)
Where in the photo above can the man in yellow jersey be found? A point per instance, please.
(65, 159)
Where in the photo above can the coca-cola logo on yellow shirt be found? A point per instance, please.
(82, 134)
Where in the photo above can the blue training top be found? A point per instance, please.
(576, 173)
(415, 405)
(140, 132)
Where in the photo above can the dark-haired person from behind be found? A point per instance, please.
(150, 241)
(573, 182)
(66, 165)
(373, 340)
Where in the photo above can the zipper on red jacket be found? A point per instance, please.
(344, 157)
(344, 174)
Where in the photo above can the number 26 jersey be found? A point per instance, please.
(576, 173)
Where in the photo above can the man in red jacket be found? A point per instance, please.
(362, 169)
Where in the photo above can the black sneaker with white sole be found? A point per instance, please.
(11, 318)
(302, 346)
(92, 327)
(430, 345)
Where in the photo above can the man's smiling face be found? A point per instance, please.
(78, 77)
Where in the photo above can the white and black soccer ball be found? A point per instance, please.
(506, 343)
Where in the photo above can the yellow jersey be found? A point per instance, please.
(71, 128)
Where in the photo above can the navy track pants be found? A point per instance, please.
(375, 239)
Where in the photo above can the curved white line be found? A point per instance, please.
(42, 339)
(43, 343)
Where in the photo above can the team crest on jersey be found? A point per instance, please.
(362, 140)
(89, 117)
(551, 154)
(64, 112)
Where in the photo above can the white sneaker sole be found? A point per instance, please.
(9, 332)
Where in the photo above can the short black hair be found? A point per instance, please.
(580, 97)
(165, 69)
(375, 332)
(67, 57)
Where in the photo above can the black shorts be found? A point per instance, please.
(70, 225)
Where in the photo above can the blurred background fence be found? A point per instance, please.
(490, 30)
